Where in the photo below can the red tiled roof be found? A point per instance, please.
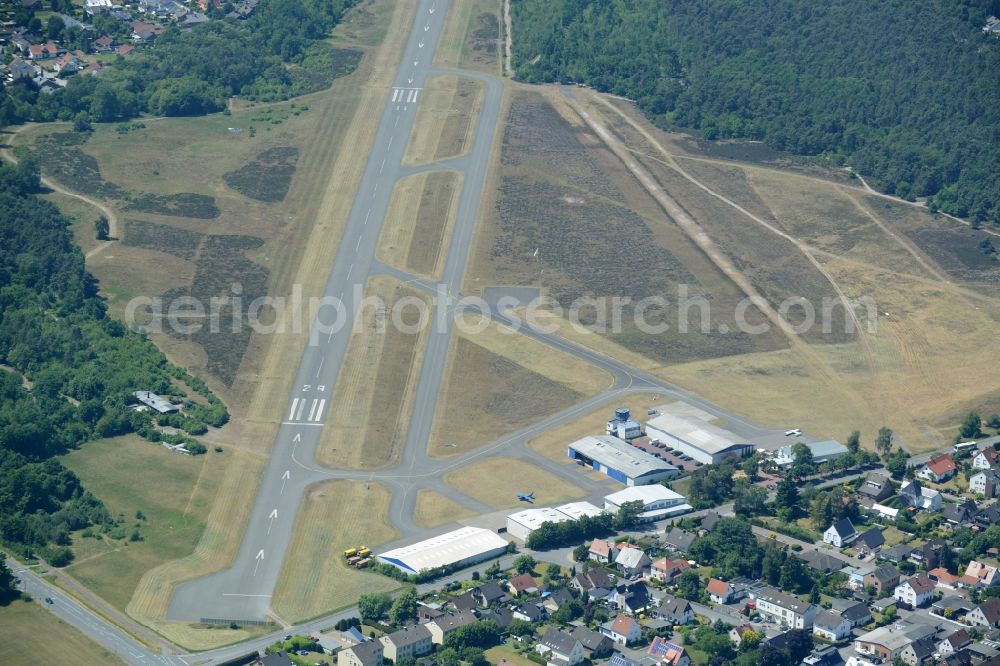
(523, 582)
(717, 587)
(941, 464)
(622, 625)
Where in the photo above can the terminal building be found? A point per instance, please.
(658, 502)
(620, 460)
(467, 545)
(623, 427)
(702, 441)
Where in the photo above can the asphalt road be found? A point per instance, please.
(243, 592)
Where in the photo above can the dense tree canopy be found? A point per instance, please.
(68, 371)
(905, 92)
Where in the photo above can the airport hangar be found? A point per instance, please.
(702, 441)
(620, 460)
(467, 545)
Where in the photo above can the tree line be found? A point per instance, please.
(68, 372)
(904, 92)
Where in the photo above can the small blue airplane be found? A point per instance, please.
(527, 497)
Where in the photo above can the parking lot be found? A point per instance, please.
(665, 453)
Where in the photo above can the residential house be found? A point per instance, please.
(463, 602)
(426, 613)
(623, 630)
(529, 613)
(831, 626)
(676, 611)
(144, 32)
(522, 584)
(884, 579)
(979, 574)
(820, 561)
(856, 576)
(632, 561)
(618, 659)
(961, 513)
(595, 644)
(929, 553)
(736, 634)
(943, 578)
(440, 627)
(958, 609)
(124, 49)
(919, 651)
(708, 522)
(367, 653)
(957, 641)
(720, 591)
(603, 551)
(912, 494)
(596, 583)
(67, 64)
(560, 648)
(840, 533)
(679, 540)
(938, 469)
(986, 459)
(19, 69)
(915, 592)
(406, 643)
(96, 6)
(488, 594)
(632, 598)
(666, 570)
(856, 612)
(104, 44)
(985, 483)
(668, 654)
(273, 659)
(784, 609)
(888, 642)
(870, 541)
(551, 601)
(897, 553)
(986, 614)
(45, 51)
(987, 516)
(501, 615)
(961, 658)
(884, 512)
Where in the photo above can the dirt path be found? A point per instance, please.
(508, 68)
(113, 229)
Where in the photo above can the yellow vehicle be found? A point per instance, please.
(364, 552)
(350, 552)
(772, 535)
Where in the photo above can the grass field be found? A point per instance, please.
(507, 382)
(446, 114)
(552, 443)
(374, 390)
(335, 516)
(30, 635)
(471, 37)
(432, 509)
(789, 231)
(496, 481)
(420, 217)
(128, 474)
(505, 654)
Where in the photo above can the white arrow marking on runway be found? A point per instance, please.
(284, 480)
(409, 80)
(297, 438)
(427, 27)
(260, 556)
(416, 62)
(420, 45)
(274, 514)
(433, 7)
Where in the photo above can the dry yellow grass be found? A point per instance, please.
(445, 119)
(374, 392)
(421, 215)
(315, 579)
(463, 43)
(496, 481)
(507, 382)
(432, 509)
(30, 635)
(552, 443)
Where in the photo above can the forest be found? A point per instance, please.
(67, 373)
(276, 54)
(907, 93)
